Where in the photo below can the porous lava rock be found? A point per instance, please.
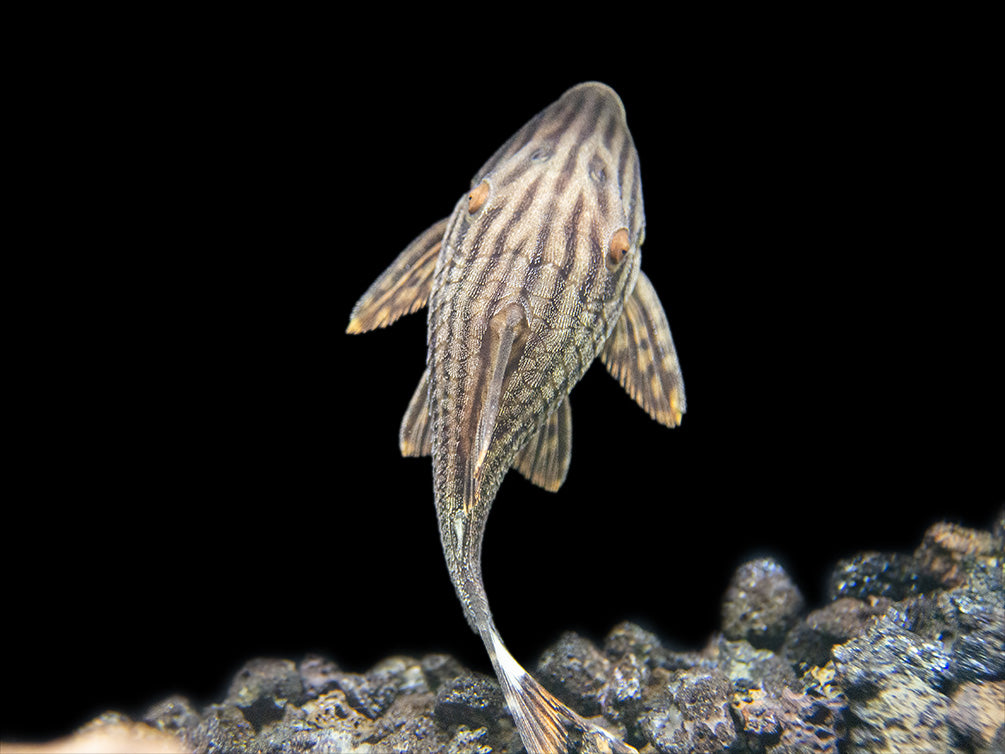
(907, 655)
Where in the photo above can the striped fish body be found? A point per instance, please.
(533, 275)
(524, 294)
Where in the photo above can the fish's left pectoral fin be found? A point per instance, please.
(415, 437)
(544, 460)
(640, 354)
(402, 288)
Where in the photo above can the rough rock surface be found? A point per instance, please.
(761, 604)
(908, 655)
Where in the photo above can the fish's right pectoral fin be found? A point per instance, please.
(640, 354)
(414, 437)
(544, 460)
(402, 288)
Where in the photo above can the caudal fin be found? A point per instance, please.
(546, 726)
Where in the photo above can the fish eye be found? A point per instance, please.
(478, 196)
(618, 248)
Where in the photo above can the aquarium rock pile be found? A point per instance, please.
(907, 655)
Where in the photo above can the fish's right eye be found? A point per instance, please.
(618, 248)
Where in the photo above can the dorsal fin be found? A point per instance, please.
(640, 354)
(505, 335)
(544, 460)
(403, 287)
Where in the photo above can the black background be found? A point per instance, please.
(205, 466)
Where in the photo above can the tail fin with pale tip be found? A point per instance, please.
(546, 726)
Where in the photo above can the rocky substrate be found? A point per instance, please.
(908, 655)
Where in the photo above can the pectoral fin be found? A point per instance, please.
(415, 437)
(640, 354)
(544, 460)
(403, 287)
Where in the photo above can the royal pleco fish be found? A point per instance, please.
(532, 276)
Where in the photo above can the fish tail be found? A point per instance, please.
(546, 726)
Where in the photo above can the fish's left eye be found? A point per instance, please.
(618, 248)
(478, 196)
